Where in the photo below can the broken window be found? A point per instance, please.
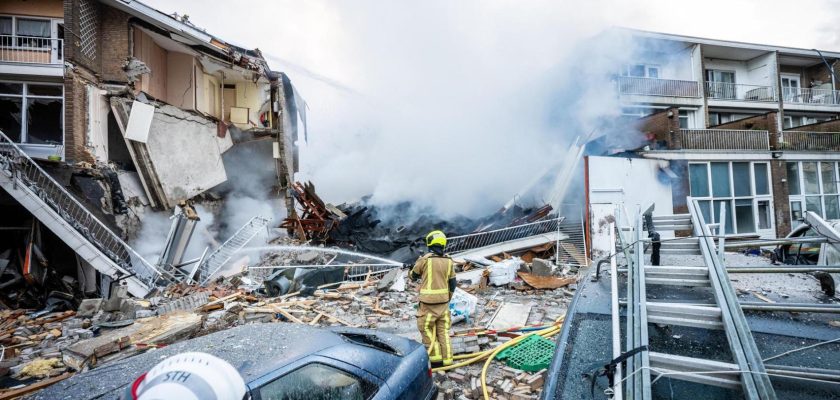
(318, 382)
(727, 205)
(32, 113)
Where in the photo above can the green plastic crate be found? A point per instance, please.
(531, 354)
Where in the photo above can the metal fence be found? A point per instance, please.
(460, 244)
(18, 165)
(811, 96)
(31, 50)
(803, 140)
(657, 87)
(724, 139)
(740, 92)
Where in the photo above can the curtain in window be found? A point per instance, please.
(5, 25)
(33, 27)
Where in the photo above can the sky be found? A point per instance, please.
(446, 103)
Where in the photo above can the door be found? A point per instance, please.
(790, 88)
(57, 42)
(721, 84)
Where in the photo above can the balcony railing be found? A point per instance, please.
(739, 92)
(811, 96)
(31, 50)
(817, 141)
(658, 87)
(724, 139)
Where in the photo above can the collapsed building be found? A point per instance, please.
(112, 110)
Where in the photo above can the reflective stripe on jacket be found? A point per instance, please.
(435, 272)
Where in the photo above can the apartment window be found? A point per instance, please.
(813, 186)
(790, 87)
(637, 112)
(25, 31)
(685, 119)
(640, 70)
(32, 113)
(720, 84)
(741, 188)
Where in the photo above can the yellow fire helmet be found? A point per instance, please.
(436, 237)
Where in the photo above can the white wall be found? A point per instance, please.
(632, 182)
(761, 69)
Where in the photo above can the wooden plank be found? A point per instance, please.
(15, 393)
(316, 319)
(545, 282)
(289, 316)
(336, 319)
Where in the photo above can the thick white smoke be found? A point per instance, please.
(453, 105)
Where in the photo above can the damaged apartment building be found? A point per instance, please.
(749, 127)
(110, 110)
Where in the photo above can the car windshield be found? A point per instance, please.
(316, 382)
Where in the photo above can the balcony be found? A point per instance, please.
(31, 50)
(825, 97)
(810, 141)
(724, 139)
(657, 87)
(739, 92)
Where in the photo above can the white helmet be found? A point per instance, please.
(190, 376)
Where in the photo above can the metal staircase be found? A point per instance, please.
(747, 370)
(218, 258)
(65, 216)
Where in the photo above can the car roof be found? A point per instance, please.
(254, 350)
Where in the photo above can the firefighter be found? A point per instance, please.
(437, 283)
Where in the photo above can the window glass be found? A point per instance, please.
(44, 90)
(683, 119)
(44, 121)
(728, 205)
(741, 178)
(11, 113)
(813, 203)
(5, 27)
(764, 217)
(705, 209)
(714, 119)
(699, 180)
(761, 182)
(796, 210)
(809, 174)
(653, 72)
(11, 88)
(316, 382)
(793, 177)
(637, 70)
(33, 27)
(744, 216)
(829, 181)
(720, 179)
(832, 207)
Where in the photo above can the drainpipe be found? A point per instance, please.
(830, 70)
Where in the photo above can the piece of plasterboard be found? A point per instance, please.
(139, 122)
(510, 315)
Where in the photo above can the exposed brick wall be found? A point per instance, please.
(78, 35)
(660, 127)
(825, 126)
(75, 115)
(817, 72)
(116, 40)
(781, 204)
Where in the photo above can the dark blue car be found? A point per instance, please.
(284, 361)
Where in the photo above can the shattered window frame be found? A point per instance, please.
(753, 202)
(822, 197)
(25, 98)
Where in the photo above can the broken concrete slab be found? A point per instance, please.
(388, 280)
(540, 267)
(89, 307)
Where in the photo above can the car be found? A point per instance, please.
(283, 361)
